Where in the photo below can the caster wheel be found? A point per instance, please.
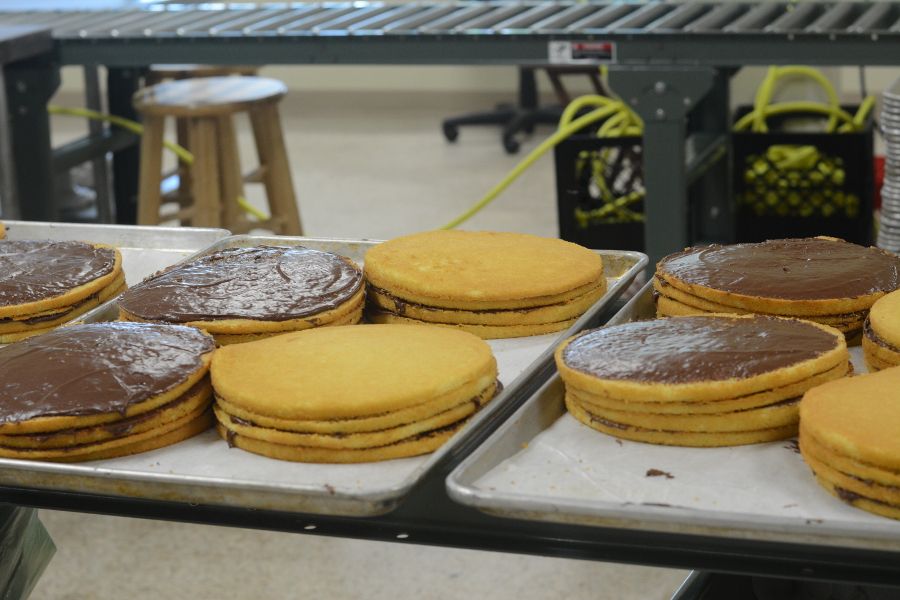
(510, 145)
(451, 132)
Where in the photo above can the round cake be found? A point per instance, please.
(881, 336)
(45, 283)
(100, 390)
(242, 294)
(488, 283)
(712, 380)
(849, 438)
(822, 279)
(351, 394)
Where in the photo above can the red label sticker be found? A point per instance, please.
(581, 52)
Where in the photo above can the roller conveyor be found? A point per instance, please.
(695, 33)
(657, 18)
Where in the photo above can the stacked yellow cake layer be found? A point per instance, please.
(881, 336)
(849, 436)
(494, 285)
(351, 394)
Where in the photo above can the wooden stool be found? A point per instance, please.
(176, 184)
(207, 106)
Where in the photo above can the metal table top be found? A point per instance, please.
(429, 32)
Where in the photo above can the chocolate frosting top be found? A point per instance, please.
(694, 349)
(792, 269)
(32, 270)
(96, 368)
(269, 283)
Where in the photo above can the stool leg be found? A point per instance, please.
(273, 155)
(184, 170)
(149, 196)
(205, 180)
(232, 181)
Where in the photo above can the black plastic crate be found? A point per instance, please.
(584, 163)
(832, 197)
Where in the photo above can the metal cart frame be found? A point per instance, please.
(670, 60)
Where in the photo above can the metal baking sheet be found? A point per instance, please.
(145, 250)
(205, 470)
(542, 464)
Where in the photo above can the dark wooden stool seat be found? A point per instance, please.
(159, 73)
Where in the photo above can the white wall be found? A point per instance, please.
(499, 79)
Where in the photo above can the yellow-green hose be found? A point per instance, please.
(627, 123)
(851, 122)
(767, 90)
(762, 107)
(775, 175)
(787, 157)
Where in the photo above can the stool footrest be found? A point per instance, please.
(257, 175)
(178, 197)
(184, 214)
(245, 225)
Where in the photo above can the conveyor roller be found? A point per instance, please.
(469, 18)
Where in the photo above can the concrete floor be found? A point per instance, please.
(376, 167)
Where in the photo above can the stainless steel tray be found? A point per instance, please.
(542, 464)
(204, 470)
(145, 250)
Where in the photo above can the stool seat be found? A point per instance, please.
(186, 71)
(211, 184)
(207, 96)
